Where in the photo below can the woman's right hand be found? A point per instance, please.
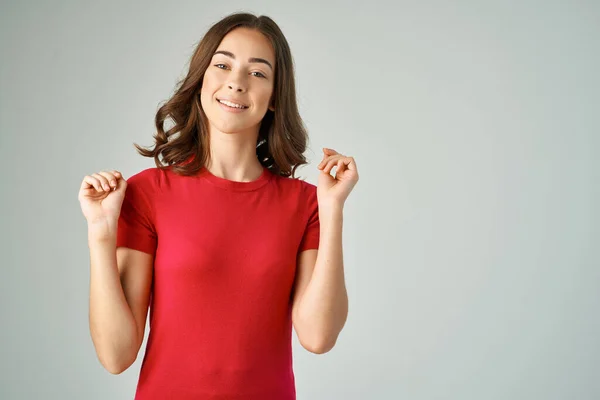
(101, 196)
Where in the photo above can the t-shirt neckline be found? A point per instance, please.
(235, 185)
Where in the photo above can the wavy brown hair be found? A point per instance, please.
(282, 136)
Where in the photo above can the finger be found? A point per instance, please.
(103, 181)
(329, 151)
(112, 181)
(324, 161)
(330, 165)
(340, 166)
(91, 182)
(351, 164)
(328, 159)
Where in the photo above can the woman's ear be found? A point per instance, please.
(272, 103)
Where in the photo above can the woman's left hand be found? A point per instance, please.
(335, 190)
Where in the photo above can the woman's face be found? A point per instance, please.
(239, 71)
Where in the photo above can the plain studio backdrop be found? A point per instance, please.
(470, 242)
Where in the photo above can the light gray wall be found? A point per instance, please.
(470, 241)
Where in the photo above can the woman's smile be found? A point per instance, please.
(231, 109)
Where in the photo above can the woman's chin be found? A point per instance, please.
(232, 128)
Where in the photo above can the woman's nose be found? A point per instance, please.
(237, 81)
(236, 87)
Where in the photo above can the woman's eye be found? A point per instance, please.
(260, 74)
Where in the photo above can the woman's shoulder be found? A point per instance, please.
(145, 175)
(297, 186)
(149, 179)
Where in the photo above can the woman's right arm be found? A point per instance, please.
(120, 279)
(120, 282)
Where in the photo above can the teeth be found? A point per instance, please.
(230, 104)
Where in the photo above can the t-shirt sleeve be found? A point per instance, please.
(136, 228)
(310, 239)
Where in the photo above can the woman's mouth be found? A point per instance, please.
(231, 109)
(232, 104)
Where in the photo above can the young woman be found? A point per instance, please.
(220, 239)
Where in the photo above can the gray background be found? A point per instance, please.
(470, 241)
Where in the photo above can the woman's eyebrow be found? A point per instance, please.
(250, 60)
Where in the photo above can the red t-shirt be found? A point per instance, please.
(224, 267)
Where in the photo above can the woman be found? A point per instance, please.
(221, 240)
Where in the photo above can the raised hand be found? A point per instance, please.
(335, 189)
(101, 196)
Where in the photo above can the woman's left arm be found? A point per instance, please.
(320, 305)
